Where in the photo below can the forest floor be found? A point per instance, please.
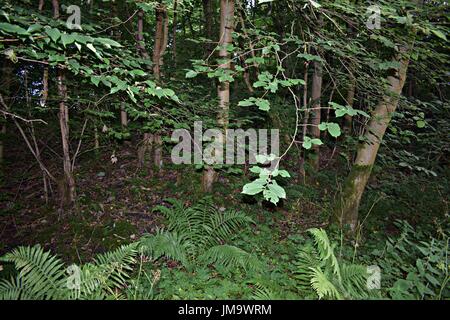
(116, 201)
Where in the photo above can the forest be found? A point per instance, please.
(224, 150)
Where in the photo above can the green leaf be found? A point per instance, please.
(309, 57)
(247, 102)
(12, 28)
(420, 124)
(191, 74)
(253, 188)
(274, 192)
(284, 174)
(439, 34)
(263, 104)
(108, 42)
(67, 39)
(91, 47)
(334, 130)
(53, 33)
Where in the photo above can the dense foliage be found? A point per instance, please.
(351, 203)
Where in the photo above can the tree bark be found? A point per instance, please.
(346, 210)
(161, 41)
(315, 114)
(67, 185)
(123, 116)
(67, 189)
(55, 4)
(208, 8)
(2, 137)
(140, 36)
(223, 88)
(350, 102)
(174, 34)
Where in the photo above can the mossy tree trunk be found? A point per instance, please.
(346, 210)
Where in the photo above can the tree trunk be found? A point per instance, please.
(315, 114)
(67, 185)
(346, 210)
(174, 34)
(350, 101)
(140, 37)
(123, 116)
(67, 188)
(2, 137)
(161, 40)
(6, 89)
(223, 88)
(55, 4)
(208, 8)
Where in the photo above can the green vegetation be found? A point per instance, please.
(349, 201)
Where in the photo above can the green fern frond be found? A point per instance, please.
(325, 249)
(230, 256)
(354, 280)
(323, 286)
(168, 244)
(41, 276)
(262, 293)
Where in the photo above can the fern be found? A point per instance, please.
(198, 234)
(168, 244)
(319, 270)
(230, 256)
(43, 276)
(322, 285)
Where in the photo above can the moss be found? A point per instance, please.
(347, 205)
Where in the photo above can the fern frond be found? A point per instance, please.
(168, 244)
(323, 287)
(325, 249)
(41, 275)
(354, 280)
(221, 226)
(230, 256)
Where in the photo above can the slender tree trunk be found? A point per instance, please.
(302, 155)
(68, 184)
(96, 139)
(6, 88)
(315, 114)
(2, 137)
(37, 150)
(67, 187)
(140, 37)
(44, 95)
(174, 34)
(123, 116)
(346, 210)
(161, 40)
(208, 8)
(55, 4)
(350, 102)
(223, 88)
